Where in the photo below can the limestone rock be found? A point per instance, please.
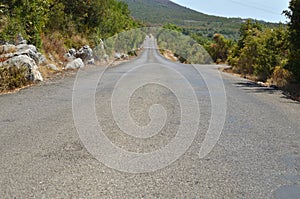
(8, 48)
(52, 67)
(24, 47)
(85, 53)
(20, 40)
(91, 61)
(117, 56)
(23, 61)
(75, 64)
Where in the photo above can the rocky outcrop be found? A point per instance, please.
(85, 54)
(7, 49)
(121, 56)
(23, 47)
(22, 55)
(52, 67)
(70, 55)
(24, 61)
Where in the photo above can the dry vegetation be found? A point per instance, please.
(12, 78)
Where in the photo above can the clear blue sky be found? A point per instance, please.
(267, 10)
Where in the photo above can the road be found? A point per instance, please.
(42, 156)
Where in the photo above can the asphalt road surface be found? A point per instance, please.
(42, 156)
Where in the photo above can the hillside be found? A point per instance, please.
(159, 12)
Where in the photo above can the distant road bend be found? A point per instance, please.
(42, 156)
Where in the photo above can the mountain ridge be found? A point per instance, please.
(160, 12)
(157, 5)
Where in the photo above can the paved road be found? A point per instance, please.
(42, 156)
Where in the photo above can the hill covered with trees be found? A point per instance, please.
(161, 12)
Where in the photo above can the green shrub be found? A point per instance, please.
(259, 51)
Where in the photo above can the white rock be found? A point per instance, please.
(53, 67)
(85, 53)
(106, 58)
(51, 57)
(6, 56)
(75, 64)
(124, 56)
(42, 58)
(72, 51)
(262, 84)
(118, 56)
(30, 53)
(27, 52)
(69, 57)
(24, 47)
(5, 49)
(91, 61)
(37, 75)
(22, 61)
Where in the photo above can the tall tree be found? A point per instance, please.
(249, 28)
(27, 16)
(294, 26)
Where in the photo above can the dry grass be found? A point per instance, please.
(46, 72)
(281, 76)
(169, 55)
(12, 78)
(54, 45)
(75, 41)
(3, 22)
(54, 48)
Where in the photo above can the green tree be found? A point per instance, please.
(220, 47)
(58, 19)
(294, 27)
(247, 29)
(27, 16)
(272, 52)
(259, 51)
(174, 27)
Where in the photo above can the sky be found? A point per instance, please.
(267, 10)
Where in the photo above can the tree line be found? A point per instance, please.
(260, 51)
(267, 54)
(90, 19)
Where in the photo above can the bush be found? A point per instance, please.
(294, 36)
(34, 18)
(219, 49)
(281, 76)
(54, 45)
(259, 51)
(12, 78)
